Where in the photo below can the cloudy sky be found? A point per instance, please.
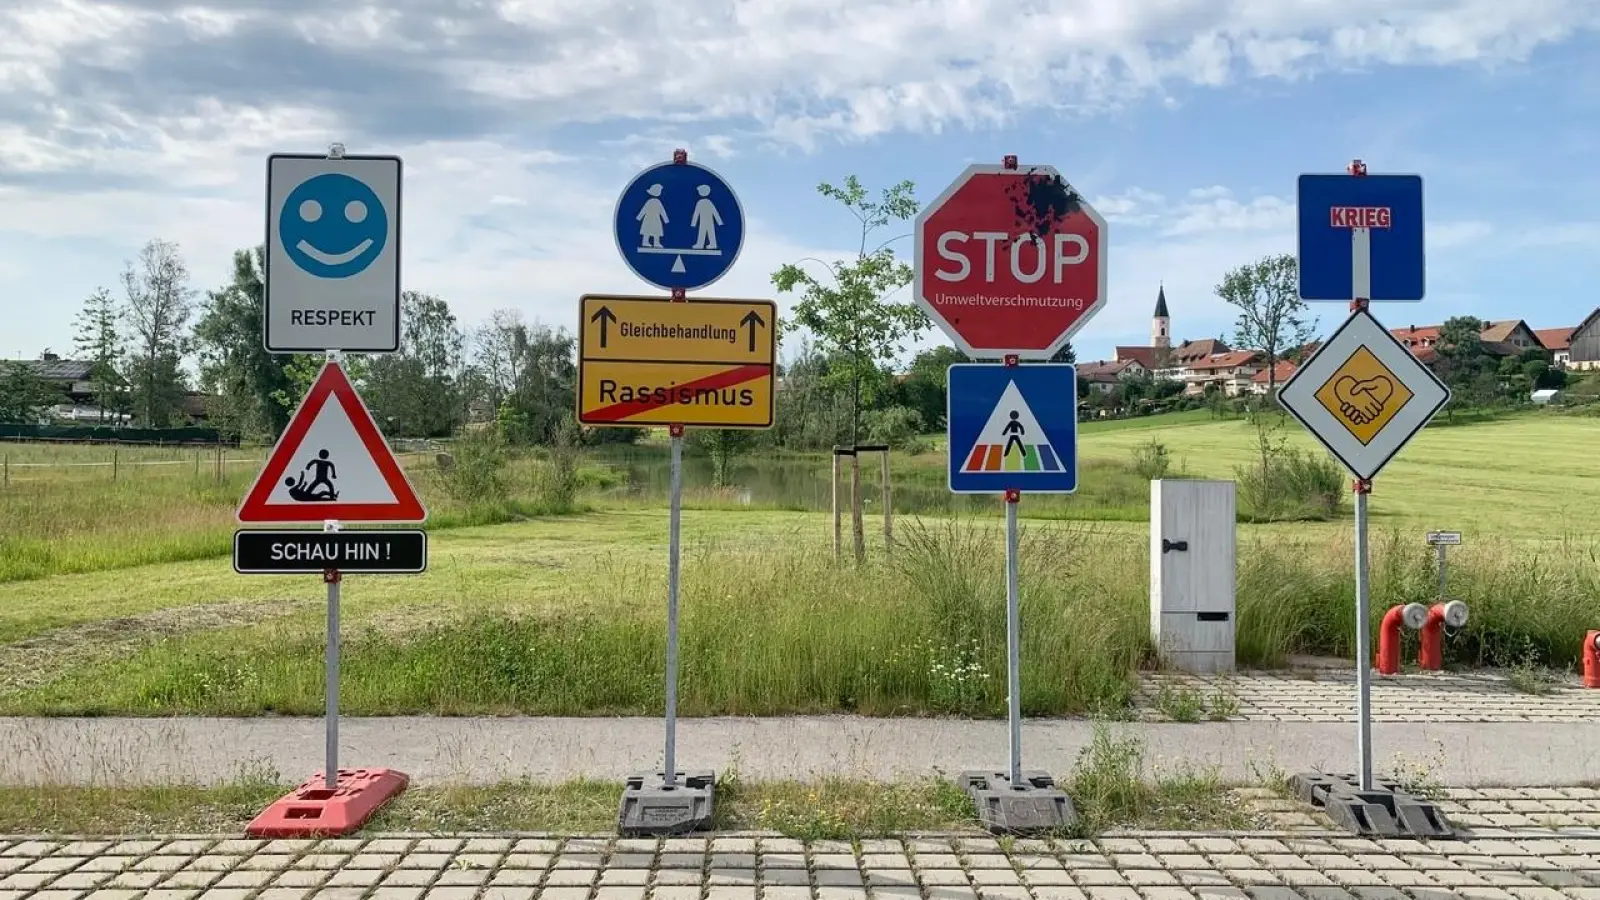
(1185, 122)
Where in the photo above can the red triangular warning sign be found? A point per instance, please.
(332, 463)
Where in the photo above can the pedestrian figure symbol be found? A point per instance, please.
(1011, 440)
(706, 218)
(320, 488)
(1013, 431)
(652, 219)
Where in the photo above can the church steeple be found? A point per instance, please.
(1161, 323)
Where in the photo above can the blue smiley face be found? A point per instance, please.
(333, 226)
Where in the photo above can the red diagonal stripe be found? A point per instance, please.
(616, 412)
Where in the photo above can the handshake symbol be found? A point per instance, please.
(1362, 401)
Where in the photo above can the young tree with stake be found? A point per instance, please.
(849, 311)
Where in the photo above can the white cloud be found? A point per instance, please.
(126, 119)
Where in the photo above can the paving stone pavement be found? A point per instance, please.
(1318, 695)
(1496, 862)
(745, 867)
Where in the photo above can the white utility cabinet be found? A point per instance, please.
(1193, 547)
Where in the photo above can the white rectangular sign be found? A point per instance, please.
(332, 254)
(1444, 537)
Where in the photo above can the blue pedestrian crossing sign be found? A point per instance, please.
(679, 226)
(1013, 428)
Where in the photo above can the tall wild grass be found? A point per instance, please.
(782, 628)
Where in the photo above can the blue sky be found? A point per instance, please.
(1185, 122)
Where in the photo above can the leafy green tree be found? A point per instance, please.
(1065, 355)
(98, 342)
(723, 446)
(897, 426)
(416, 391)
(529, 374)
(157, 308)
(235, 366)
(1272, 317)
(809, 413)
(924, 387)
(849, 312)
(300, 372)
(24, 396)
(1464, 364)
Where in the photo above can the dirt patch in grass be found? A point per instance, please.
(35, 660)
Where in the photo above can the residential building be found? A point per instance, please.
(74, 381)
(1230, 371)
(1280, 373)
(1558, 341)
(71, 377)
(1103, 376)
(1507, 337)
(1583, 350)
(1513, 334)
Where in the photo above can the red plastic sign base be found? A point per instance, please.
(311, 810)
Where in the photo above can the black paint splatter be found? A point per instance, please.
(1042, 202)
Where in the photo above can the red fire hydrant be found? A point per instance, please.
(1430, 655)
(1591, 659)
(1411, 616)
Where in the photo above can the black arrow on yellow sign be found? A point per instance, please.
(752, 321)
(604, 315)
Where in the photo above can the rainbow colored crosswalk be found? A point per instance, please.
(1022, 458)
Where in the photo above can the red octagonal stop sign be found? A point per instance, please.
(1010, 261)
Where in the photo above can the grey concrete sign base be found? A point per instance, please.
(650, 807)
(1386, 811)
(1033, 806)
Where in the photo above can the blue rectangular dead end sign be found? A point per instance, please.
(1013, 428)
(1388, 209)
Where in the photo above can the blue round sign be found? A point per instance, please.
(679, 226)
(333, 226)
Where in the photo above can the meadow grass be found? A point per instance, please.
(566, 617)
(63, 521)
(1525, 477)
(563, 614)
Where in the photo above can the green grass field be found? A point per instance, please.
(117, 597)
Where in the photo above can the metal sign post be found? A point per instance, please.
(1013, 639)
(331, 464)
(1364, 396)
(330, 770)
(675, 507)
(1363, 489)
(1441, 541)
(703, 362)
(1013, 428)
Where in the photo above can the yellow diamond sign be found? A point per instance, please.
(1363, 395)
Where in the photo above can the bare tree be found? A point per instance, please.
(500, 348)
(156, 312)
(1272, 317)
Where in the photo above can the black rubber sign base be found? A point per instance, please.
(1386, 811)
(650, 807)
(303, 552)
(1034, 806)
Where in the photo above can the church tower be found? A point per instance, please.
(1161, 323)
